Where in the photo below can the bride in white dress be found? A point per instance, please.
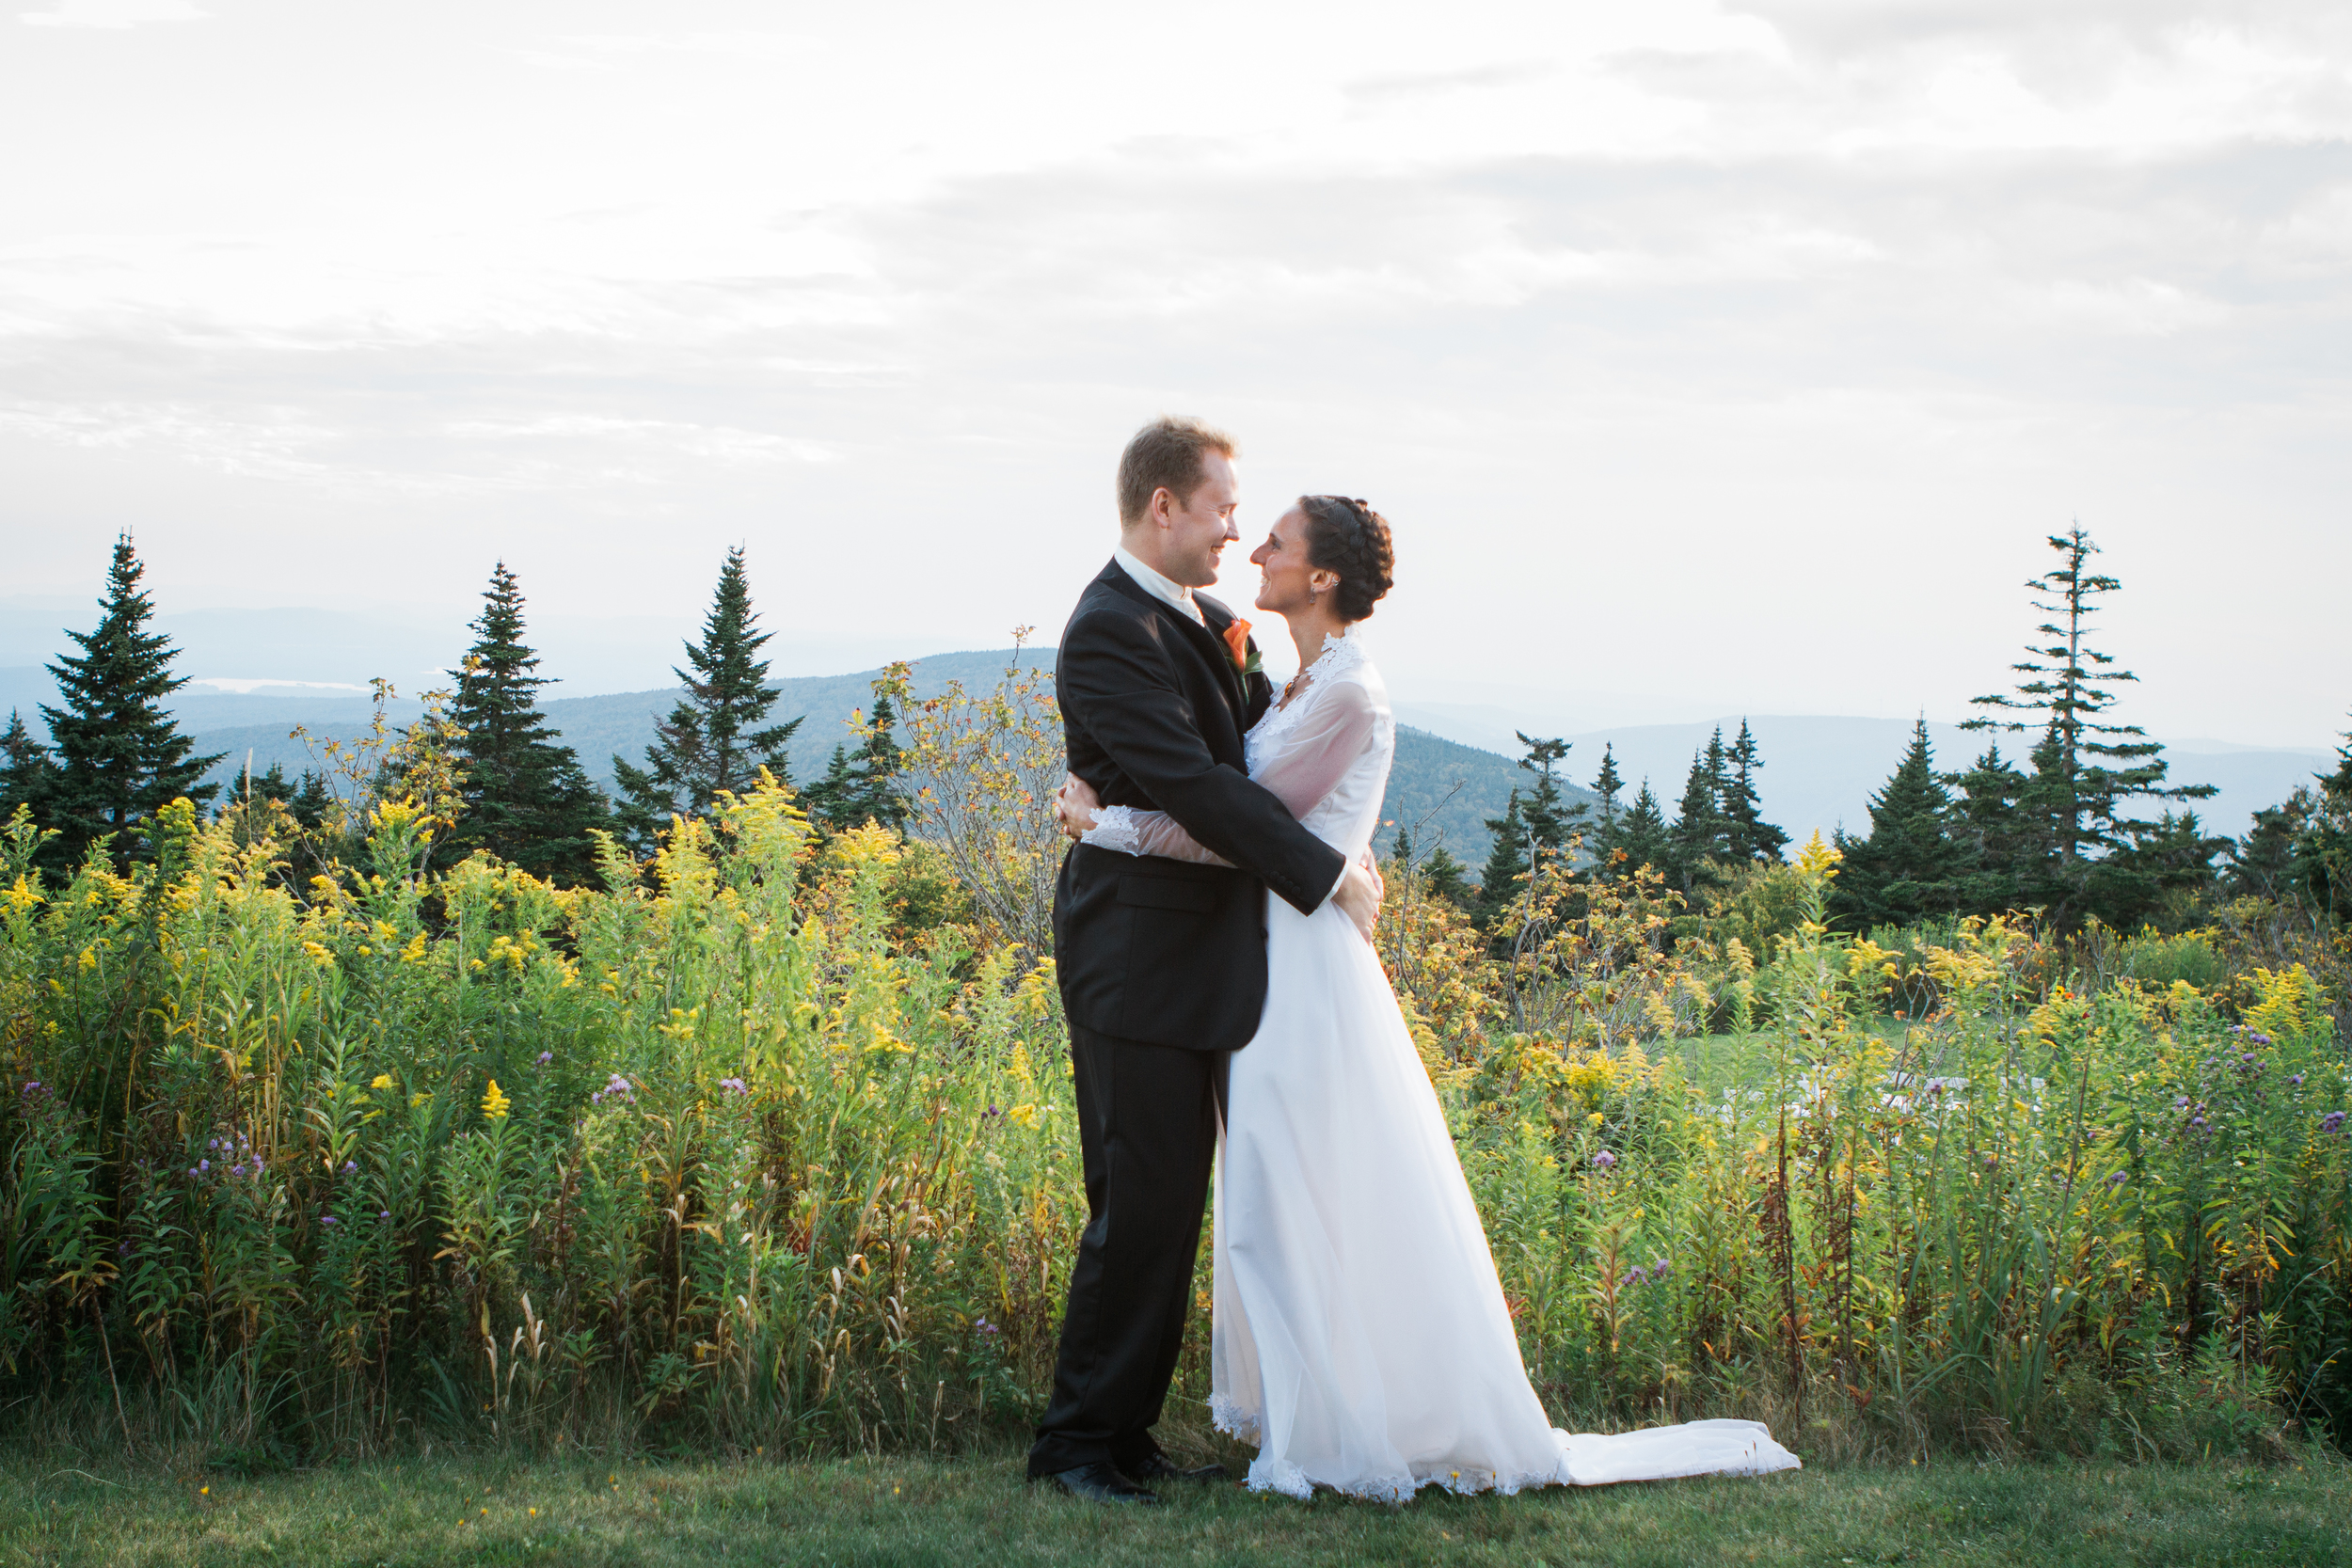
(1361, 1337)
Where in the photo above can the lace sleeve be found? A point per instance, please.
(1305, 760)
(1133, 831)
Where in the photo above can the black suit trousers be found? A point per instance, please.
(1147, 1126)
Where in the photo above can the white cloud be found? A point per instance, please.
(113, 14)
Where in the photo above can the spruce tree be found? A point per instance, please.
(26, 774)
(862, 786)
(2324, 848)
(2085, 769)
(120, 757)
(1701, 832)
(1507, 863)
(1910, 865)
(1545, 816)
(1749, 836)
(2263, 864)
(1448, 879)
(524, 797)
(711, 740)
(1608, 784)
(1643, 836)
(1994, 843)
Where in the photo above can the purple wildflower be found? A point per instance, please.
(191, 1170)
(546, 1057)
(1658, 1269)
(733, 1086)
(2295, 1079)
(2196, 1121)
(204, 1165)
(384, 1214)
(983, 1325)
(2262, 1039)
(351, 1167)
(2332, 1122)
(2116, 1179)
(32, 1085)
(1603, 1160)
(326, 1219)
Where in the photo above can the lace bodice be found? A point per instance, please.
(1325, 754)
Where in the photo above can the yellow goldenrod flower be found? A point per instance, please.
(494, 1103)
(382, 1081)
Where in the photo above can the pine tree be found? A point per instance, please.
(1608, 784)
(1448, 879)
(862, 786)
(1545, 814)
(1994, 843)
(2159, 875)
(2085, 769)
(709, 742)
(26, 775)
(120, 757)
(525, 798)
(1910, 864)
(2324, 848)
(1643, 836)
(1507, 863)
(2263, 864)
(1749, 838)
(1701, 832)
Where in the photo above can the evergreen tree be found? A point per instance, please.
(1545, 814)
(525, 798)
(1507, 863)
(26, 774)
(2158, 875)
(2085, 769)
(1448, 879)
(119, 754)
(1991, 832)
(2324, 848)
(710, 742)
(1643, 836)
(1608, 784)
(1749, 838)
(2263, 864)
(1701, 832)
(1910, 864)
(862, 786)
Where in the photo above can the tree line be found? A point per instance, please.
(115, 755)
(2089, 827)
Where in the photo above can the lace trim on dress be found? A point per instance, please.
(1340, 654)
(1115, 829)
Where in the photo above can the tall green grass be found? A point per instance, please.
(730, 1153)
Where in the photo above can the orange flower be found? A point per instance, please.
(1237, 642)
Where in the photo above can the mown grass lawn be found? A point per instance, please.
(974, 1510)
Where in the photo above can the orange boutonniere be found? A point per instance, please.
(1237, 645)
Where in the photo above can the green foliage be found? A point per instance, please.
(2071, 810)
(1749, 838)
(120, 755)
(1911, 865)
(868, 787)
(712, 742)
(523, 795)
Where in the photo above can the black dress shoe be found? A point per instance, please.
(1101, 1483)
(1160, 1468)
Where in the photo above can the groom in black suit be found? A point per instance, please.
(1162, 963)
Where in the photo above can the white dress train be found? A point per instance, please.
(1361, 1337)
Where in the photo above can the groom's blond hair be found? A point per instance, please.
(1166, 455)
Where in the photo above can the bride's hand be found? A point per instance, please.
(1075, 806)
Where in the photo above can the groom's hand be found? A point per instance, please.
(1358, 897)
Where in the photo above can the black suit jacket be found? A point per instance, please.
(1153, 712)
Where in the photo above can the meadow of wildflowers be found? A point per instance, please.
(729, 1152)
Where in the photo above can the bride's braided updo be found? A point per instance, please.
(1350, 538)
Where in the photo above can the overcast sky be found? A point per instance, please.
(1709, 357)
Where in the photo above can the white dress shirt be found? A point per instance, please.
(1174, 594)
